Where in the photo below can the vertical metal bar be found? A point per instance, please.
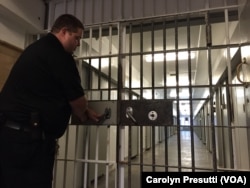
(164, 60)
(152, 87)
(130, 98)
(153, 148)
(100, 59)
(65, 160)
(110, 60)
(204, 125)
(129, 154)
(229, 91)
(79, 62)
(212, 126)
(85, 178)
(90, 54)
(119, 97)
(165, 92)
(107, 158)
(141, 94)
(75, 157)
(90, 41)
(208, 32)
(153, 61)
(141, 148)
(130, 61)
(109, 97)
(121, 167)
(120, 129)
(116, 175)
(141, 60)
(177, 95)
(190, 95)
(97, 154)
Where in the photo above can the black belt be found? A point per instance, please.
(36, 133)
(17, 126)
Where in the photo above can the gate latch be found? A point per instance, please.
(129, 114)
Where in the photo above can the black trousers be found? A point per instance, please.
(25, 162)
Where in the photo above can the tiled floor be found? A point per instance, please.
(203, 160)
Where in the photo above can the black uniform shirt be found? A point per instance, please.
(44, 79)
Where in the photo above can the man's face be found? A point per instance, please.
(72, 40)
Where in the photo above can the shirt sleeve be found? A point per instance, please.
(67, 75)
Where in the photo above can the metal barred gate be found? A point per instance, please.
(166, 88)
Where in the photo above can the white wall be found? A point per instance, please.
(12, 34)
(19, 18)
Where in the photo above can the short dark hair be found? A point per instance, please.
(67, 20)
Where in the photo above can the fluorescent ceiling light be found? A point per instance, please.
(159, 57)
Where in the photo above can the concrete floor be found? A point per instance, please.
(202, 158)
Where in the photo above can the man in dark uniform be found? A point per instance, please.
(41, 92)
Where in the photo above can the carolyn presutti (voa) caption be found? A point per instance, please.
(196, 179)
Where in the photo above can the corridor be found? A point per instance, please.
(203, 161)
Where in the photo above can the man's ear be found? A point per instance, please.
(64, 30)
